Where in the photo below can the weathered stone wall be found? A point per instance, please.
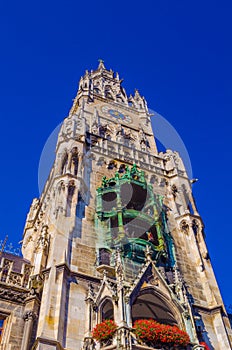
(13, 326)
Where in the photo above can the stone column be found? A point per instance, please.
(29, 318)
(128, 311)
(69, 163)
(62, 274)
(192, 202)
(80, 162)
(90, 305)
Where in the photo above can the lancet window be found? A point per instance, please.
(71, 190)
(107, 310)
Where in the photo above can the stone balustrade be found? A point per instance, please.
(14, 270)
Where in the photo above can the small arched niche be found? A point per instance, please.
(150, 305)
(107, 310)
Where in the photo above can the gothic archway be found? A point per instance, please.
(107, 310)
(152, 305)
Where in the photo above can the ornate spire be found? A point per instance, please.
(103, 83)
(138, 101)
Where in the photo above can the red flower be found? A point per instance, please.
(105, 330)
(205, 345)
(150, 331)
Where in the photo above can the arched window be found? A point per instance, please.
(162, 182)
(122, 168)
(64, 163)
(108, 92)
(71, 189)
(102, 130)
(154, 179)
(61, 188)
(150, 305)
(80, 209)
(174, 191)
(112, 164)
(107, 310)
(184, 226)
(74, 165)
(195, 226)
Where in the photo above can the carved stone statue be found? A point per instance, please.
(43, 240)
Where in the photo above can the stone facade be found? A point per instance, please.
(115, 234)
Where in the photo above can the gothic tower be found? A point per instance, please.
(115, 234)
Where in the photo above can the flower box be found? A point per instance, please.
(160, 336)
(104, 331)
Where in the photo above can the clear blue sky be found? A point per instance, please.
(177, 53)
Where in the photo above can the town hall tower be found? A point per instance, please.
(115, 235)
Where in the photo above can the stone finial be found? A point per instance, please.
(91, 294)
(101, 64)
(178, 283)
(119, 266)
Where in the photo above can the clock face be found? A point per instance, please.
(116, 114)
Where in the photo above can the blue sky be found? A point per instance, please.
(177, 53)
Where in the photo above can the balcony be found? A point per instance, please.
(125, 339)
